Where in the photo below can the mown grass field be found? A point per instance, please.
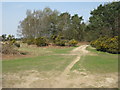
(99, 62)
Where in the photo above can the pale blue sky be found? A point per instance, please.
(13, 12)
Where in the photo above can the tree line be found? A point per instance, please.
(50, 23)
(42, 27)
(104, 21)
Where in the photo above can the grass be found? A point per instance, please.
(42, 50)
(101, 63)
(45, 60)
(61, 50)
(40, 63)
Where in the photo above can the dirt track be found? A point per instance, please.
(79, 52)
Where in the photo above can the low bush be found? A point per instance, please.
(53, 37)
(72, 42)
(30, 41)
(13, 41)
(17, 45)
(24, 40)
(41, 41)
(106, 44)
(59, 41)
(8, 49)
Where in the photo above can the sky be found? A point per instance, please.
(14, 12)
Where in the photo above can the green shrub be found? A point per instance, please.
(112, 45)
(53, 38)
(24, 40)
(72, 42)
(13, 41)
(106, 44)
(41, 41)
(59, 40)
(17, 44)
(61, 43)
(30, 41)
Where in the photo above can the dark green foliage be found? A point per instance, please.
(24, 40)
(74, 29)
(4, 37)
(104, 21)
(30, 41)
(106, 44)
(41, 41)
(13, 40)
(72, 42)
(104, 26)
(60, 43)
(59, 40)
(10, 38)
(53, 37)
(17, 45)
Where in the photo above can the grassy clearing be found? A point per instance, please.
(40, 63)
(43, 50)
(43, 60)
(101, 63)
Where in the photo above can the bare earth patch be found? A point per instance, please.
(35, 79)
(9, 57)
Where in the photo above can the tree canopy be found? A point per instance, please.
(104, 21)
(50, 22)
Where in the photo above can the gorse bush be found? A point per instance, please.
(59, 40)
(41, 41)
(30, 41)
(106, 44)
(17, 45)
(112, 44)
(72, 42)
(60, 43)
(13, 41)
(53, 37)
(100, 44)
(24, 40)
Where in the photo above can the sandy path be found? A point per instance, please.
(79, 51)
